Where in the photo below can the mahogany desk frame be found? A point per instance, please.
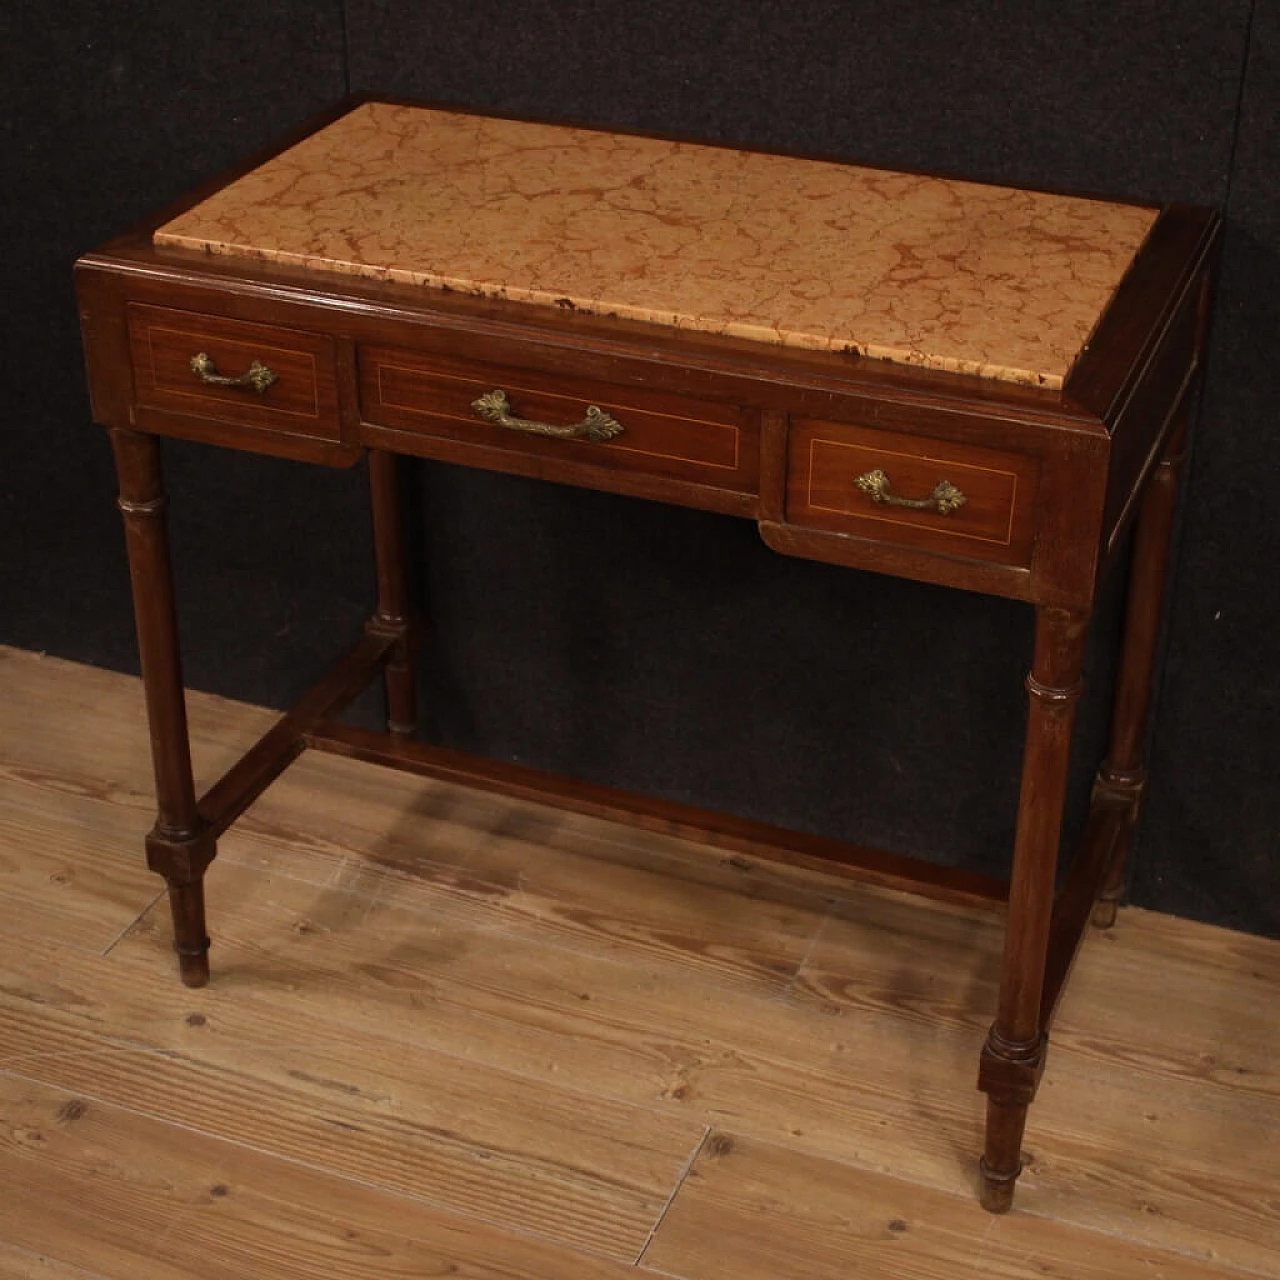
(1105, 454)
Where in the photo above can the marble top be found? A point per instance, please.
(929, 272)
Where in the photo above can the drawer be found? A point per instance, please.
(933, 495)
(295, 392)
(547, 415)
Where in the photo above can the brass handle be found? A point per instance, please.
(257, 377)
(944, 499)
(494, 407)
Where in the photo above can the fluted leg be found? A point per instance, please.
(1123, 776)
(394, 612)
(179, 846)
(1013, 1058)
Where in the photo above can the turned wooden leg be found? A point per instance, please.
(1122, 777)
(190, 941)
(179, 846)
(394, 613)
(1014, 1054)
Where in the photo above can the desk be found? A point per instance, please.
(962, 384)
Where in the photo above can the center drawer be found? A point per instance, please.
(487, 409)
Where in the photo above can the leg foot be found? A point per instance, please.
(996, 1192)
(1104, 912)
(1114, 790)
(401, 689)
(1009, 1075)
(194, 969)
(190, 940)
(1001, 1162)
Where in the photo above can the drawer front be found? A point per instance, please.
(661, 434)
(934, 495)
(297, 395)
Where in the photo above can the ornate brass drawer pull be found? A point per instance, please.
(494, 407)
(257, 377)
(944, 499)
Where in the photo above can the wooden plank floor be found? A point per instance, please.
(454, 1035)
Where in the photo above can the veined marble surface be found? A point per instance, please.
(922, 271)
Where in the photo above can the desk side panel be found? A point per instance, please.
(105, 339)
(1143, 420)
(1182, 242)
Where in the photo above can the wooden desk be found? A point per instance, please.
(957, 383)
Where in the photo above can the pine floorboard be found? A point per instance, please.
(453, 1034)
(22, 1264)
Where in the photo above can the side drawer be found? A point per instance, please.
(931, 495)
(662, 434)
(297, 394)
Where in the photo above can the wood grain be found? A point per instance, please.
(860, 1065)
(1129, 1130)
(169, 1204)
(748, 1211)
(21, 1264)
(53, 876)
(520, 1019)
(73, 806)
(379, 1111)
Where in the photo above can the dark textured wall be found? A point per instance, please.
(1126, 98)
(578, 630)
(107, 112)
(1211, 842)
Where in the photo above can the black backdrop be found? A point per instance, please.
(579, 631)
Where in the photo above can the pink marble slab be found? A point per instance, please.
(975, 279)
